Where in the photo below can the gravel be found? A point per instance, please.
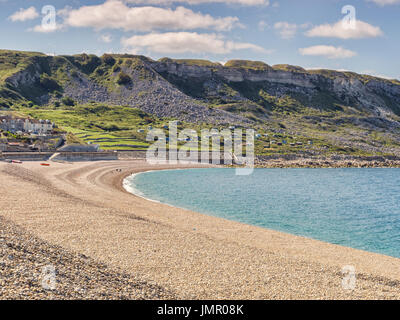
(82, 208)
(26, 263)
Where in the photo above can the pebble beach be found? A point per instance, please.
(106, 243)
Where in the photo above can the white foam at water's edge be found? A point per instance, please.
(129, 185)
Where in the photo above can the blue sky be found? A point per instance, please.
(309, 33)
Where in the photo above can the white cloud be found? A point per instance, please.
(24, 14)
(385, 2)
(288, 30)
(285, 29)
(330, 52)
(340, 30)
(195, 2)
(185, 42)
(107, 38)
(114, 14)
(46, 28)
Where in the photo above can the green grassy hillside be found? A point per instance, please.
(111, 99)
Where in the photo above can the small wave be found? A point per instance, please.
(130, 186)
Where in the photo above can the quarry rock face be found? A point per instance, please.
(369, 93)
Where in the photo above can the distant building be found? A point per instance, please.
(40, 126)
(11, 124)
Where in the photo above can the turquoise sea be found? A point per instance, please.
(358, 208)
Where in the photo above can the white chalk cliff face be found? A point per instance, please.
(186, 88)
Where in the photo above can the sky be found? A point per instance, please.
(354, 35)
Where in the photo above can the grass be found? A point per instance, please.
(14, 61)
(247, 64)
(111, 127)
(192, 62)
(116, 128)
(287, 67)
(320, 117)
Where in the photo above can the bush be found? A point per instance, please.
(58, 94)
(116, 68)
(100, 71)
(4, 105)
(86, 63)
(123, 79)
(68, 101)
(108, 59)
(57, 104)
(48, 83)
(108, 127)
(148, 120)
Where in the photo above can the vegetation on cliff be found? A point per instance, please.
(112, 97)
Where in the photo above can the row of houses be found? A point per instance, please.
(11, 124)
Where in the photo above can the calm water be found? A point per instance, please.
(358, 208)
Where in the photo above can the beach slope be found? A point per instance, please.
(83, 209)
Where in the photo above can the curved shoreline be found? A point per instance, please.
(373, 254)
(127, 185)
(138, 193)
(134, 191)
(84, 208)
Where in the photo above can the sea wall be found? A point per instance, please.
(224, 158)
(85, 156)
(26, 156)
(59, 156)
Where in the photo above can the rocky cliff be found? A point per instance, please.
(192, 90)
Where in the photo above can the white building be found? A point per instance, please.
(39, 126)
(8, 123)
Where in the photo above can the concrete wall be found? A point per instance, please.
(225, 158)
(89, 156)
(61, 156)
(79, 148)
(85, 156)
(26, 156)
(130, 155)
